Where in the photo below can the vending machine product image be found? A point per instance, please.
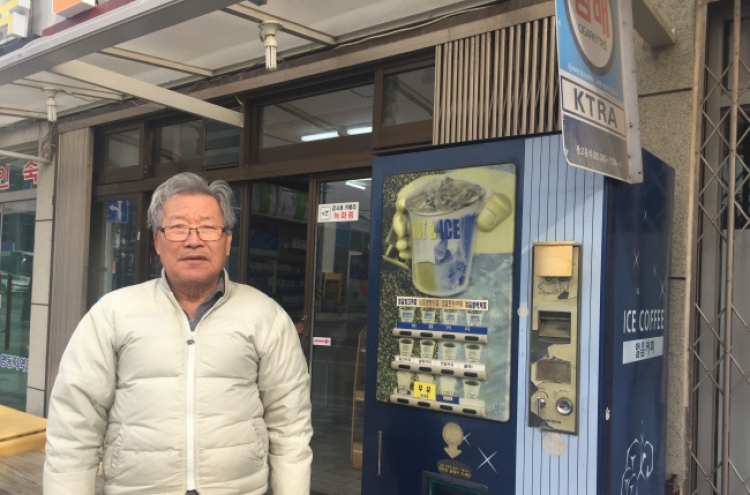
(519, 312)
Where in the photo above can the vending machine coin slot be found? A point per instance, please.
(553, 343)
(554, 326)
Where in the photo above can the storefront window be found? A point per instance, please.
(341, 113)
(122, 149)
(119, 238)
(177, 142)
(278, 244)
(233, 260)
(408, 96)
(222, 145)
(16, 261)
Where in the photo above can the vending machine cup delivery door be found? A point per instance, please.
(498, 360)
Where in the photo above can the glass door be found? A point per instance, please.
(339, 315)
(17, 222)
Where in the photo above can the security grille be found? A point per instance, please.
(497, 84)
(720, 340)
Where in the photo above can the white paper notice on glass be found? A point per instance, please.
(338, 212)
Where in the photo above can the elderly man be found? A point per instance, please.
(191, 383)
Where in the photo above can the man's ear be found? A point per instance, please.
(156, 242)
(229, 242)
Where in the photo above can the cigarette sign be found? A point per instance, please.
(597, 87)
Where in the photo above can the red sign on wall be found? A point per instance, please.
(31, 171)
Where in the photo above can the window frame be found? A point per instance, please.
(411, 134)
(168, 169)
(102, 174)
(314, 149)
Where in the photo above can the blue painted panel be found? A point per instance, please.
(638, 243)
(561, 203)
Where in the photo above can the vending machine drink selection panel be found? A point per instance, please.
(446, 290)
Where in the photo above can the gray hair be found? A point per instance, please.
(190, 183)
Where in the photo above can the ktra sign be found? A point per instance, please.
(69, 8)
(14, 19)
(597, 87)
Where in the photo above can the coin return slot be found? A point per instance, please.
(554, 327)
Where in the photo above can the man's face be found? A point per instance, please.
(192, 264)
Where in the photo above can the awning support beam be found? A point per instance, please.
(650, 25)
(287, 26)
(156, 61)
(117, 82)
(17, 112)
(22, 156)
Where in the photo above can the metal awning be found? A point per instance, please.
(144, 49)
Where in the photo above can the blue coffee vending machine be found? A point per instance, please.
(516, 336)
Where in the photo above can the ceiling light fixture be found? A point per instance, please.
(319, 136)
(354, 183)
(268, 30)
(51, 104)
(359, 130)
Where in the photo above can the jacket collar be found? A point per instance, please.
(164, 284)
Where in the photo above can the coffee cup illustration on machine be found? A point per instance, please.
(436, 223)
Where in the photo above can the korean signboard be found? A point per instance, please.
(597, 87)
(18, 174)
(14, 19)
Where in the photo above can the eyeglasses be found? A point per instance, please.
(182, 232)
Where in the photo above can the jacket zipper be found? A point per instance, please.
(191, 412)
(190, 392)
